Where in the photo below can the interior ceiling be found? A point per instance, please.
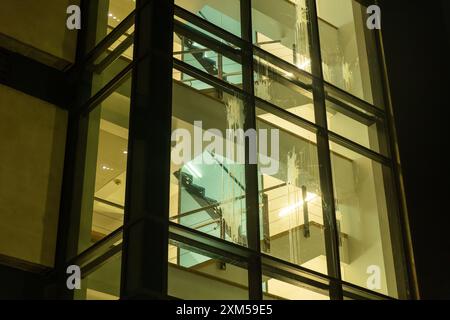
(120, 9)
(337, 13)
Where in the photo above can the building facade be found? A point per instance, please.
(135, 178)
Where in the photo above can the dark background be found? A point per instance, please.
(416, 39)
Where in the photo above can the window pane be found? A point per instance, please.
(207, 167)
(103, 283)
(348, 49)
(111, 62)
(364, 210)
(277, 86)
(105, 169)
(363, 128)
(199, 56)
(281, 28)
(276, 289)
(110, 14)
(224, 14)
(291, 217)
(211, 278)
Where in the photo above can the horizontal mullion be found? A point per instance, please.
(104, 93)
(215, 45)
(265, 55)
(209, 27)
(112, 37)
(115, 54)
(361, 292)
(293, 279)
(99, 248)
(101, 260)
(209, 243)
(293, 84)
(354, 99)
(279, 265)
(207, 78)
(359, 148)
(286, 115)
(232, 252)
(353, 113)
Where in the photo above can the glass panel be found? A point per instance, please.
(276, 86)
(207, 60)
(291, 217)
(110, 63)
(364, 207)
(207, 167)
(281, 28)
(212, 278)
(105, 169)
(276, 289)
(348, 49)
(103, 283)
(110, 14)
(363, 128)
(225, 14)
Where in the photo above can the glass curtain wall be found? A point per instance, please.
(314, 216)
(209, 190)
(102, 113)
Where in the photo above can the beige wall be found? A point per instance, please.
(37, 28)
(32, 141)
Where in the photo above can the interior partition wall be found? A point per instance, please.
(318, 216)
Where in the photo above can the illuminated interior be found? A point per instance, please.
(210, 198)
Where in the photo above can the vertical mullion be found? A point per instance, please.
(251, 170)
(410, 289)
(74, 158)
(323, 147)
(146, 226)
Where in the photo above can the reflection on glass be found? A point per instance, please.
(281, 28)
(276, 289)
(360, 127)
(363, 193)
(348, 49)
(224, 14)
(110, 14)
(105, 168)
(276, 86)
(195, 276)
(207, 167)
(291, 217)
(103, 283)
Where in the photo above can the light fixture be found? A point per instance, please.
(289, 209)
